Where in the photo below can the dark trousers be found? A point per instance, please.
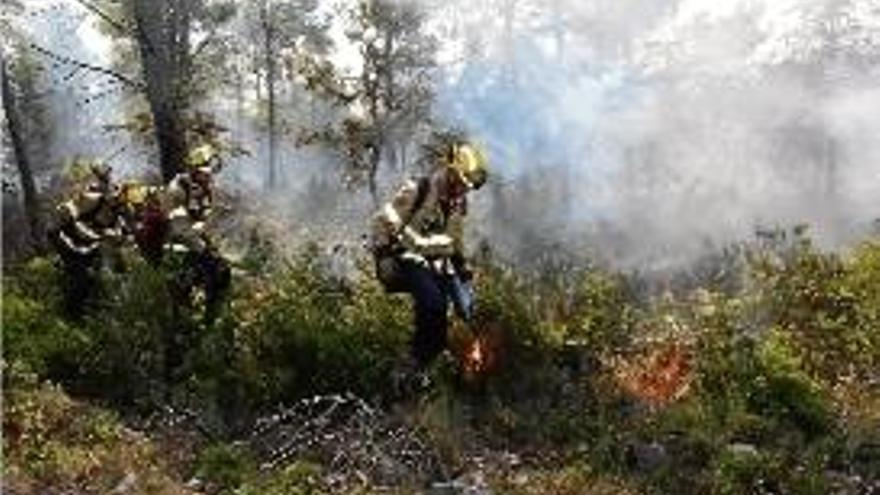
(431, 297)
(81, 276)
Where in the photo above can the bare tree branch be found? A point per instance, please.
(119, 26)
(210, 38)
(82, 65)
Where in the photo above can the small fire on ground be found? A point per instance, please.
(661, 377)
(475, 356)
(479, 349)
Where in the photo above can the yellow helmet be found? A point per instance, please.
(470, 163)
(202, 158)
(134, 193)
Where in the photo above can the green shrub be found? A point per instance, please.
(225, 467)
(126, 361)
(312, 336)
(604, 316)
(826, 303)
(784, 391)
(739, 472)
(115, 353)
(726, 365)
(862, 282)
(33, 332)
(36, 337)
(299, 478)
(768, 363)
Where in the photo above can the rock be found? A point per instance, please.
(126, 485)
(453, 487)
(868, 453)
(194, 484)
(521, 479)
(743, 449)
(842, 483)
(473, 483)
(648, 457)
(511, 459)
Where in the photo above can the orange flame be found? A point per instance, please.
(475, 356)
(663, 377)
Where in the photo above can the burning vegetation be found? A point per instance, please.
(660, 377)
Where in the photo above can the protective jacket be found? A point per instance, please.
(188, 204)
(416, 224)
(89, 218)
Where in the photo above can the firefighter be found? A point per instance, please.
(86, 222)
(148, 222)
(172, 232)
(190, 194)
(189, 203)
(418, 246)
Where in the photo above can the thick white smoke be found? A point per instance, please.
(83, 108)
(671, 126)
(641, 131)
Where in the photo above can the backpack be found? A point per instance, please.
(389, 265)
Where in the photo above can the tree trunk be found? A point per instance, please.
(28, 186)
(391, 105)
(374, 160)
(376, 138)
(268, 31)
(163, 42)
(401, 157)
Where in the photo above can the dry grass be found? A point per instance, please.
(55, 444)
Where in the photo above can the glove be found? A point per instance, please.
(463, 296)
(461, 268)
